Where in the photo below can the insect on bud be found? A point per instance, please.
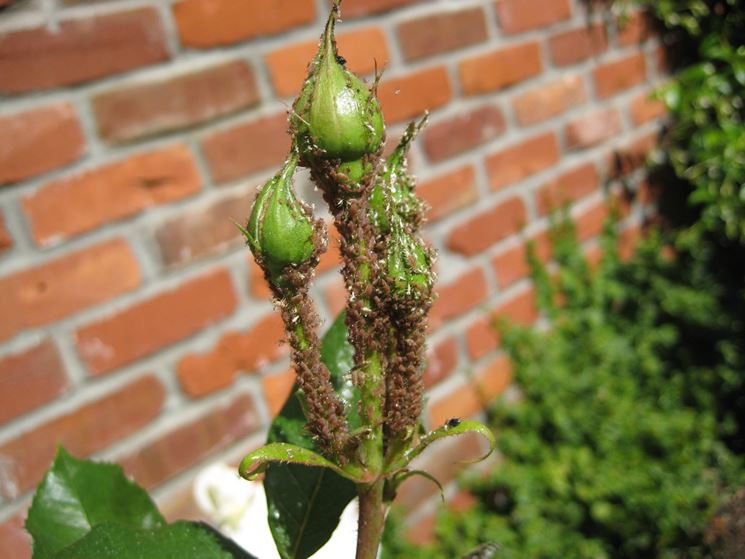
(336, 116)
(408, 262)
(279, 231)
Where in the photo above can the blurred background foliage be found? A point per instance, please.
(627, 440)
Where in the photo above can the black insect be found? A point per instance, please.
(341, 60)
(485, 551)
(454, 422)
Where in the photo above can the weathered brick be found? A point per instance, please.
(496, 70)
(208, 23)
(455, 135)
(549, 100)
(29, 379)
(473, 395)
(6, 239)
(511, 264)
(442, 360)
(517, 162)
(149, 325)
(80, 50)
(246, 148)
(576, 45)
(196, 234)
(15, 541)
(593, 128)
(362, 49)
(87, 429)
(52, 290)
(516, 16)
(76, 204)
(449, 192)
(139, 110)
(614, 77)
(409, 96)
(367, 7)
(458, 297)
(441, 32)
(192, 442)
(39, 140)
(644, 108)
(277, 389)
(635, 29)
(486, 228)
(201, 374)
(482, 336)
(568, 187)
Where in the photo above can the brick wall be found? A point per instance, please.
(134, 324)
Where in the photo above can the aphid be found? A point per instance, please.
(453, 422)
(341, 60)
(485, 551)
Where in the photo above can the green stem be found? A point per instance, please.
(371, 519)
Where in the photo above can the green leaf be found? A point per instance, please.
(77, 495)
(447, 430)
(181, 540)
(257, 462)
(305, 503)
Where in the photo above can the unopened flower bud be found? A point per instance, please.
(336, 116)
(408, 262)
(279, 231)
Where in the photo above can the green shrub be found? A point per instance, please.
(614, 447)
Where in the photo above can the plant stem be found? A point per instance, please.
(371, 519)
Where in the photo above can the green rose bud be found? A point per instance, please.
(408, 262)
(394, 189)
(336, 116)
(279, 231)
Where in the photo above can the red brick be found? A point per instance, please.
(409, 96)
(422, 531)
(188, 237)
(208, 23)
(53, 290)
(631, 156)
(29, 379)
(443, 460)
(482, 335)
(593, 128)
(614, 77)
(277, 389)
(442, 32)
(517, 162)
(89, 428)
(367, 7)
(246, 148)
(441, 361)
(449, 192)
(15, 541)
(644, 109)
(511, 264)
(486, 228)
(568, 187)
(496, 70)
(80, 50)
(361, 48)
(74, 205)
(455, 135)
(635, 30)
(192, 442)
(335, 296)
(474, 395)
(549, 100)
(6, 239)
(154, 323)
(201, 374)
(516, 16)
(591, 221)
(39, 140)
(458, 297)
(136, 111)
(576, 45)
(628, 240)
